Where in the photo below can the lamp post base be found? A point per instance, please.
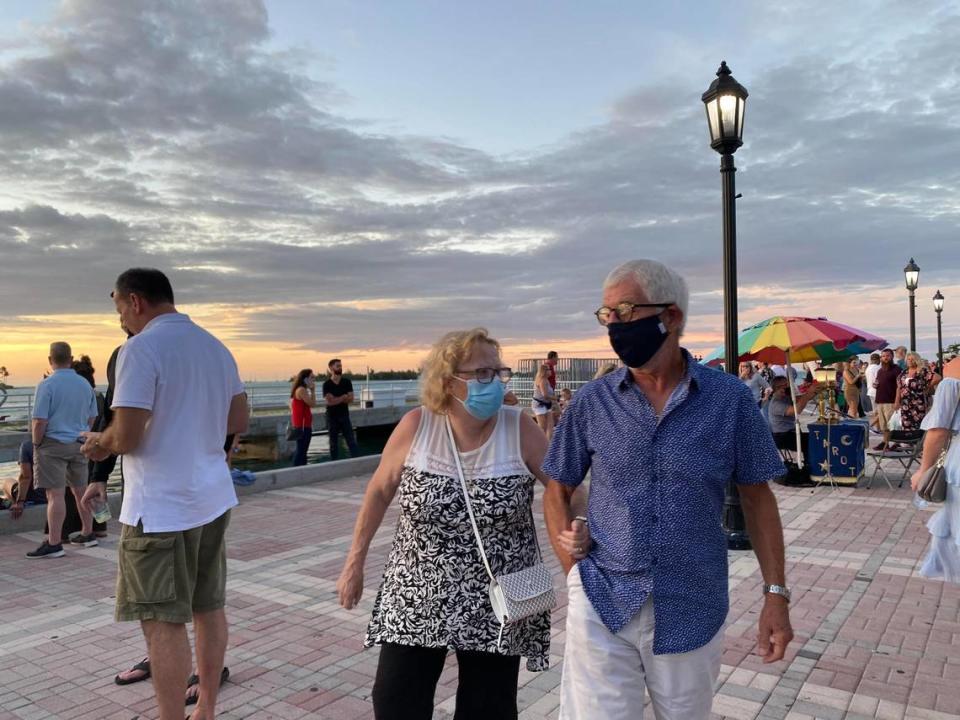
(734, 524)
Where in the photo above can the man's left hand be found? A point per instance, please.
(92, 450)
(775, 632)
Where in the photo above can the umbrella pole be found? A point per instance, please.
(796, 415)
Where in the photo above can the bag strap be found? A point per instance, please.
(466, 496)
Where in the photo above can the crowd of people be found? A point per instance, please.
(66, 406)
(893, 390)
(659, 438)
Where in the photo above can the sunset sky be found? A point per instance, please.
(348, 178)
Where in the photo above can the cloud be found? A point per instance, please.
(171, 134)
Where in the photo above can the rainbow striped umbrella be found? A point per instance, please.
(783, 340)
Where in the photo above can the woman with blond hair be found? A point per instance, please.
(913, 387)
(434, 593)
(543, 400)
(605, 369)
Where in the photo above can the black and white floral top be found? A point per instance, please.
(434, 589)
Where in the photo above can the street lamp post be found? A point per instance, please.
(938, 308)
(911, 276)
(725, 102)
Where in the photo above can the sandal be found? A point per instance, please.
(143, 666)
(193, 686)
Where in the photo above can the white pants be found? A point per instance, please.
(604, 673)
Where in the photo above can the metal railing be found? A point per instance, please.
(17, 407)
(572, 373)
(377, 393)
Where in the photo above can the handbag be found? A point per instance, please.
(895, 423)
(293, 433)
(933, 482)
(517, 595)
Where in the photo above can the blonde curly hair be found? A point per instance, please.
(445, 355)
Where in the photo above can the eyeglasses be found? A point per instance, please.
(624, 311)
(487, 374)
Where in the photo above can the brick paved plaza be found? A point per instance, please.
(873, 639)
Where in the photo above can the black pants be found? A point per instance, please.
(303, 444)
(788, 441)
(336, 426)
(407, 681)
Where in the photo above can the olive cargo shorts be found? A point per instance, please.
(169, 576)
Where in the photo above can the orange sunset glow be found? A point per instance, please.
(24, 345)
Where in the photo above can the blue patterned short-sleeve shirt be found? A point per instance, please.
(656, 495)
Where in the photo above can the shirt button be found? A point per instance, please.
(654, 518)
(653, 562)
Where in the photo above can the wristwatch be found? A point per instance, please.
(780, 590)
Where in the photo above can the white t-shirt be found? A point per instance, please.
(871, 373)
(177, 478)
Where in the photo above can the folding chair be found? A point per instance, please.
(907, 453)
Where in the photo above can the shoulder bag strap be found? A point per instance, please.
(466, 495)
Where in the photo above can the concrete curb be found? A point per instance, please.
(309, 474)
(35, 516)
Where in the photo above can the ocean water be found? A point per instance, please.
(16, 403)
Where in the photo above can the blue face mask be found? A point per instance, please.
(483, 399)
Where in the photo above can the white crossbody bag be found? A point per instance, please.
(515, 595)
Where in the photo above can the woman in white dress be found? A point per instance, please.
(943, 559)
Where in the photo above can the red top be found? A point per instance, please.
(552, 375)
(300, 414)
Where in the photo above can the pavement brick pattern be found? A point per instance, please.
(873, 638)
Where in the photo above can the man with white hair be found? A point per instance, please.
(661, 438)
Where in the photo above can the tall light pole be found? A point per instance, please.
(911, 276)
(938, 308)
(725, 102)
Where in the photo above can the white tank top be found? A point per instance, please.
(499, 456)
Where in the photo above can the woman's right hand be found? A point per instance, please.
(350, 586)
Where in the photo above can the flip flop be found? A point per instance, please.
(194, 681)
(142, 666)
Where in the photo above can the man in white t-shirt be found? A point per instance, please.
(871, 372)
(178, 394)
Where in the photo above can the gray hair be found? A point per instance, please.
(60, 353)
(658, 282)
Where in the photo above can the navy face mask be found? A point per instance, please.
(637, 341)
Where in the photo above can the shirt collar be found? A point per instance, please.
(166, 318)
(691, 373)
